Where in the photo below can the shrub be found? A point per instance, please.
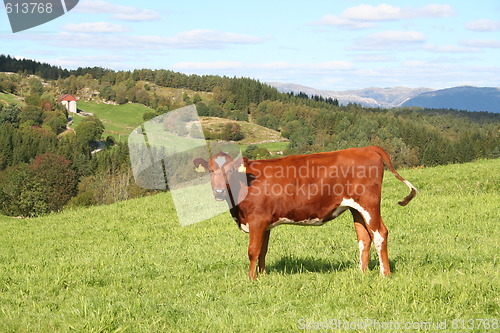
(232, 132)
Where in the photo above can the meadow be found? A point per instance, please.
(119, 120)
(130, 267)
(8, 99)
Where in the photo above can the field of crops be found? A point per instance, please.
(131, 267)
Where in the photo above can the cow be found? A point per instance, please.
(305, 190)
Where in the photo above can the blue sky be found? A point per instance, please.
(335, 45)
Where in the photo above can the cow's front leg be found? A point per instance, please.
(263, 252)
(257, 233)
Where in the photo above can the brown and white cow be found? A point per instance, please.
(305, 190)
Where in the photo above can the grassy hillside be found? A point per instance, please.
(7, 99)
(119, 120)
(253, 133)
(131, 267)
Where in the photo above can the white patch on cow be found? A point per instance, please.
(284, 220)
(361, 246)
(353, 204)
(244, 228)
(220, 160)
(378, 240)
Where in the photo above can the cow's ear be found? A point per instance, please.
(242, 165)
(200, 165)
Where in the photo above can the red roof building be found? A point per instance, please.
(69, 102)
(67, 98)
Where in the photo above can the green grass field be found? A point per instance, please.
(7, 99)
(273, 147)
(252, 133)
(130, 266)
(119, 120)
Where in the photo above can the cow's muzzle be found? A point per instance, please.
(220, 194)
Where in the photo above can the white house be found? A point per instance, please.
(69, 103)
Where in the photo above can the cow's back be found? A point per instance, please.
(309, 187)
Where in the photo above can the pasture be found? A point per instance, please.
(131, 267)
(8, 99)
(119, 120)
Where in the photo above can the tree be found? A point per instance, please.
(54, 175)
(6, 148)
(121, 95)
(13, 182)
(107, 92)
(196, 98)
(36, 87)
(9, 114)
(232, 132)
(32, 115)
(203, 110)
(148, 115)
(255, 152)
(89, 131)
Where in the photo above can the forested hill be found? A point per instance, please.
(415, 136)
(464, 98)
(33, 124)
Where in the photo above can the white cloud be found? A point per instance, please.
(374, 58)
(126, 13)
(450, 49)
(433, 10)
(483, 25)
(94, 27)
(388, 39)
(381, 12)
(344, 23)
(482, 43)
(197, 39)
(74, 37)
(106, 61)
(365, 16)
(211, 38)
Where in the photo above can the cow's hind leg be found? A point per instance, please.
(380, 241)
(364, 239)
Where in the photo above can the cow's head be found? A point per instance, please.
(227, 176)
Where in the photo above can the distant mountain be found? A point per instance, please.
(460, 98)
(370, 97)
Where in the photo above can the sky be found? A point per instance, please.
(333, 45)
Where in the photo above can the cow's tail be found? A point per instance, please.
(388, 162)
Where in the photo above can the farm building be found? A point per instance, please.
(69, 103)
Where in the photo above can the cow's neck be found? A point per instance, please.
(235, 213)
(233, 203)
